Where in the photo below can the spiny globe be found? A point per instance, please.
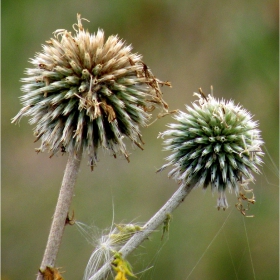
(216, 143)
(84, 93)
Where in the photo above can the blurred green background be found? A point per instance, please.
(232, 45)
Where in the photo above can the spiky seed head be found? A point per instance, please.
(85, 92)
(216, 143)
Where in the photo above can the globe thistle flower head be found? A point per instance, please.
(85, 92)
(216, 143)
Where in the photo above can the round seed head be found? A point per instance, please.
(85, 92)
(216, 143)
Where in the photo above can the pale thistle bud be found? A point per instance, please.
(85, 92)
(216, 143)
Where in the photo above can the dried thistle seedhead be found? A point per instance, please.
(85, 92)
(215, 144)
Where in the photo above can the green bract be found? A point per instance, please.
(215, 144)
(85, 92)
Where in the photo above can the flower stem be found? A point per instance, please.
(177, 198)
(61, 211)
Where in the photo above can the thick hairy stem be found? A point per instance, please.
(177, 198)
(61, 212)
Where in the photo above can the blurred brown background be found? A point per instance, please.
(232, 45)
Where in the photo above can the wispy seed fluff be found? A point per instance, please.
(87, 92)
(216, 143)
(106, 245)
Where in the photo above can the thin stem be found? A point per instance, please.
(177, 198)
(61, 211)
